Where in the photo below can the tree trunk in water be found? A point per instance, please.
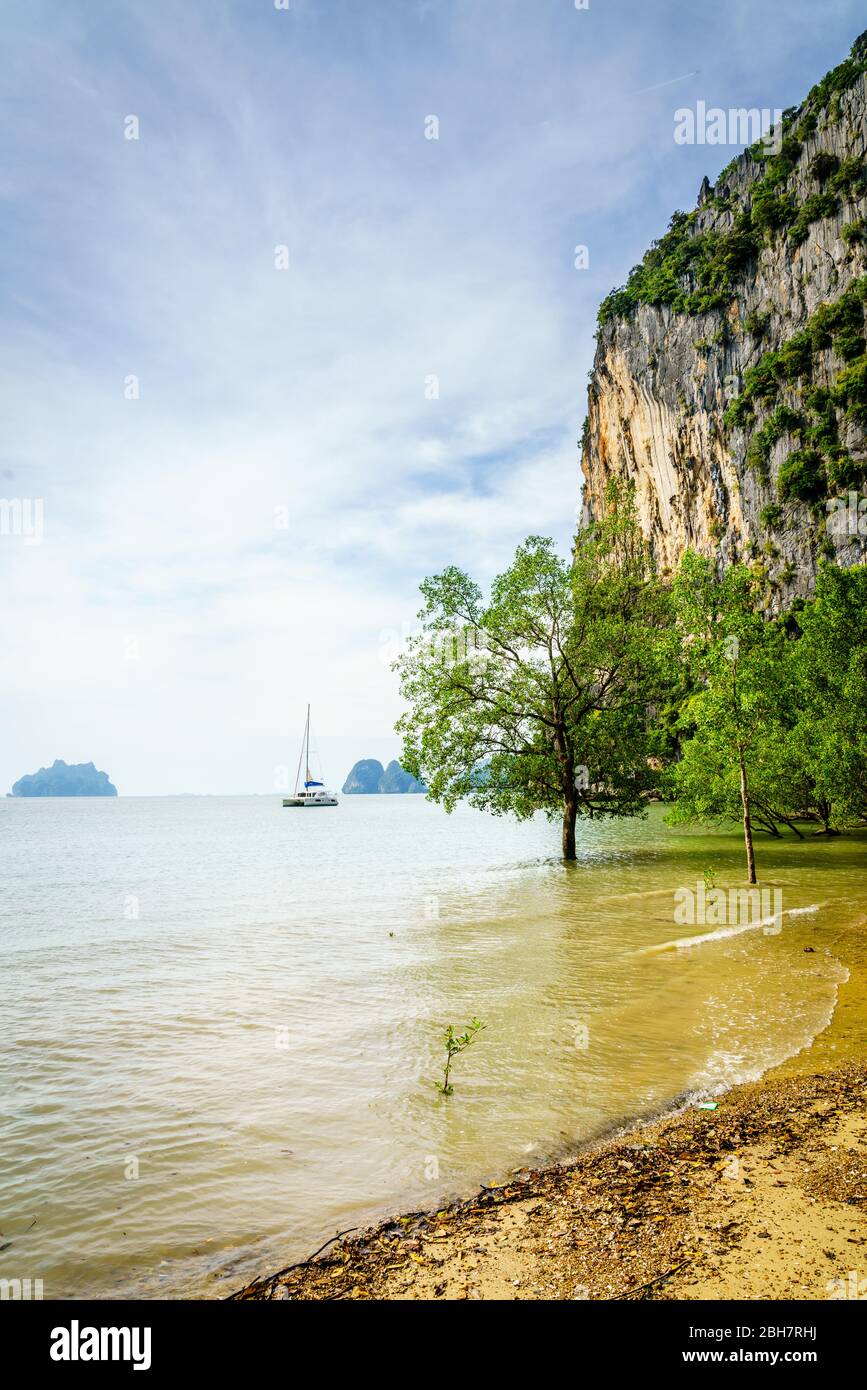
(570, 811)
(748, 828)
(825, 813)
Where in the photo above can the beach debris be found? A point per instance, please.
(707, 1105)
(630, 1293)
(633, 1218)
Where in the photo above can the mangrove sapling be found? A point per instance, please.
(455, 1043)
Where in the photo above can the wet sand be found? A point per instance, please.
(764, 1197)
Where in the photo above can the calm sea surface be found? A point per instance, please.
(221, 1020)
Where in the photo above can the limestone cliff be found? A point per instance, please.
(730, 371)
(369, 778)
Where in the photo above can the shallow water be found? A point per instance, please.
(222, 1020)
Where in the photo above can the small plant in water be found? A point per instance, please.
(709, 877)
(455, 1043)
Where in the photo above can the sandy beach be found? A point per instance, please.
(762, 1198)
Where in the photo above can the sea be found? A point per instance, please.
(223, 1021)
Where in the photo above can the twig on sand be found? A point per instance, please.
(336, 1236)
(299, 1264)
(630, 1293)
(508, 1192)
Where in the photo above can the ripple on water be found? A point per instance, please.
(250, 1062)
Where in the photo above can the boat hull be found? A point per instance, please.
(306, 805)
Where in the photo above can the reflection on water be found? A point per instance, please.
(223, 1019)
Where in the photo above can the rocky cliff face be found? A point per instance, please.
(364, 778)
(729, 378)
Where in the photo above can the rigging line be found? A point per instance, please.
(298, 773)
(317, 758)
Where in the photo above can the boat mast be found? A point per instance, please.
(307, 754)
(300, 756)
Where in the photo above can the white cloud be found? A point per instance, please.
(303, 389)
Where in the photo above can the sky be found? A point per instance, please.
(270, 363)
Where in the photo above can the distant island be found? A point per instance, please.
(65, 779)
(370, 778)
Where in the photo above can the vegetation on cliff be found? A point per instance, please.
(745, 431)
(821, 463)
(696, 268)
(609, 677)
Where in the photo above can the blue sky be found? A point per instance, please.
(249, 534)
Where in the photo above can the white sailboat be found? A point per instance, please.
(312, 793)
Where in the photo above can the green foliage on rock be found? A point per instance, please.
(820, 461)
(697, 269)
(802, 476)
(854, 233)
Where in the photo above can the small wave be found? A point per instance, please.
(627, 897)
(724, 1069)
(684, 943)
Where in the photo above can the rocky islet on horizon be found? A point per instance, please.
(369, 778)
(65, 779)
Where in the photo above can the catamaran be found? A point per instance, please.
(312, 793)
